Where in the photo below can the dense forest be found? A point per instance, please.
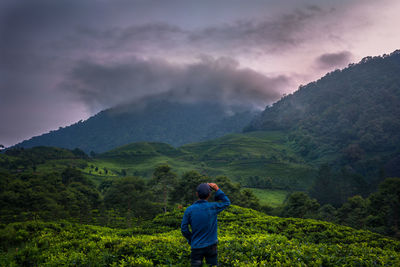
(350, 117)
(153, 120)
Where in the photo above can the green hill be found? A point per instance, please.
(350, 117)
(247, 238)
(266, 155)
(152, 120)
(256, 159)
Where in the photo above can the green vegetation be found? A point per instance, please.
(270, 197)
(147, 121)
(379, 212)
(238, 156)
(350, 117)
(247, 238)
(55, 214)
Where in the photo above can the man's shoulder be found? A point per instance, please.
(198, 205)
(188, 209)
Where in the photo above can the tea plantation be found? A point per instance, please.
(246, 238)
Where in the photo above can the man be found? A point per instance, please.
(202, 217)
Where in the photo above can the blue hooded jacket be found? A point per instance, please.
(202, 217)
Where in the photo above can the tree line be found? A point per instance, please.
(379, 212)
(119, 202)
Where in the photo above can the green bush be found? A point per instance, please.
(247, 238)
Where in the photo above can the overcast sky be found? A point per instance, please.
(63, 61)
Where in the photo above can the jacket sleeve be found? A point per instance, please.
(185, 227)
(225, 202)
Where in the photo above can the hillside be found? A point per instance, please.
(153, 121)
(247, 238)
(265, 156)
(256, 159)
(350, 117)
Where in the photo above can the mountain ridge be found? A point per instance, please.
(158, 120)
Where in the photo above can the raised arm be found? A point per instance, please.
(219, 195)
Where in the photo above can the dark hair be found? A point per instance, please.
(203, 196)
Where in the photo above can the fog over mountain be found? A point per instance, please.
(209, 79)
(156, 119)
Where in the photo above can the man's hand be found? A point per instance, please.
(213, 186)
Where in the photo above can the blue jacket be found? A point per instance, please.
(202, 217)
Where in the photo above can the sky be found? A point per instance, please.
(64, 61)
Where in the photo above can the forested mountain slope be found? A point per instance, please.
(156, 121)
(349, 117)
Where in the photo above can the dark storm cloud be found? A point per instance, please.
(261, 34)
(331, 60)
(268, 34)
(209, 79)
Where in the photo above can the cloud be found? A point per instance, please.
(263, 34)
(267, 34)
(101, 85)
(333, 60)
(100, 52)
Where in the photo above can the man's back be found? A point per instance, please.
(202, 216)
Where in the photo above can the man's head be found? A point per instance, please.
(203, 191)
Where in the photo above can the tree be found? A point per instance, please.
(300, 205)
(70, 175)
(385, 206)
(324, 188)
(327, 213)
(184, 191)
(232, 190)
(79, 153)
(354, 212)
(129, 196)
(249, 200)
(164, 180)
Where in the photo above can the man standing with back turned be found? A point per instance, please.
(202, 217)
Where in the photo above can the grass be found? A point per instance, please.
(270, 197)
(237, 156)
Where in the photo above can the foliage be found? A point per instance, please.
(335, 188)
(379, 212)
(247, 238)
(354, 212)
(157, 120)
(131, 197)
(270, 197)
(300, 205)
(349, 117)
(385, 207)
(184, 191)
(242, 157)
(163, 182)
(47, 196)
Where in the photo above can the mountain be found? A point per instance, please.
(156, 121)
(350, 117)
